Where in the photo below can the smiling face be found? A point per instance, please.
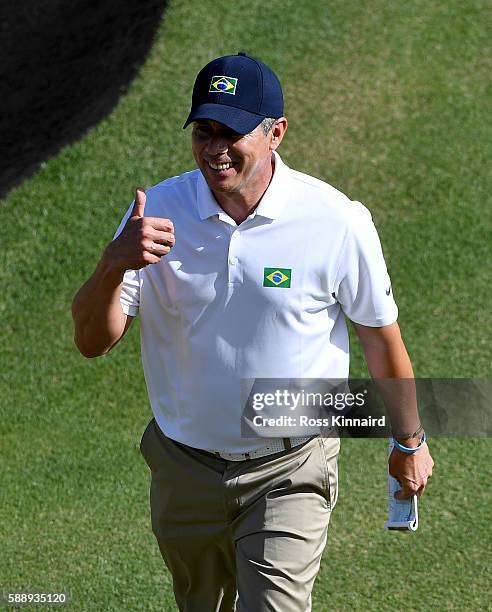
(235, 166)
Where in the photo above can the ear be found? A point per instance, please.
(277, 132)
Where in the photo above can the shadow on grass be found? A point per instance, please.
(63, 67)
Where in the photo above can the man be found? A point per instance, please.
(245, 269)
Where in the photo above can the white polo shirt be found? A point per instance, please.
(264, 299)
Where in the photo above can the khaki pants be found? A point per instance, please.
(248, 534)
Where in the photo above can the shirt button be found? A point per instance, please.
(233, 261)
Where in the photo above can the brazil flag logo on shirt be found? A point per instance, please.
(277, 277)
(223, 84)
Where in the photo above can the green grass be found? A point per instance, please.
(387, 101)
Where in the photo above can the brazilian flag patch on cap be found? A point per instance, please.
(223, 84)
(277, 277)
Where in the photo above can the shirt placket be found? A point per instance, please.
(234, 259)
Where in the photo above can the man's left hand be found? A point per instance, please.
(411, 470)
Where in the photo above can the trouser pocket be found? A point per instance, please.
(330, 448)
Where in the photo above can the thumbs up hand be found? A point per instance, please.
(143, 240)
(139, 203)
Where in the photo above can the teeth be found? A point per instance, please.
(220, 166)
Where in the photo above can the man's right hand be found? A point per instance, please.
(143, 240)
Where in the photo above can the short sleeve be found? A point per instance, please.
(130, 290)
(363, 286)
(130, 293)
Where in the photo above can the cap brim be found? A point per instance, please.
(241, 121)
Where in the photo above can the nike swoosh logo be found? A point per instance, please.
(388, 290)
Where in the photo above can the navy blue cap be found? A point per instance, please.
(238, 91)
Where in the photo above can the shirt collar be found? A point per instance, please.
(272, 202)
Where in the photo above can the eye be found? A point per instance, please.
(231, 135)
(201, 130)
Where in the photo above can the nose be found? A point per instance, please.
(216, 144)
